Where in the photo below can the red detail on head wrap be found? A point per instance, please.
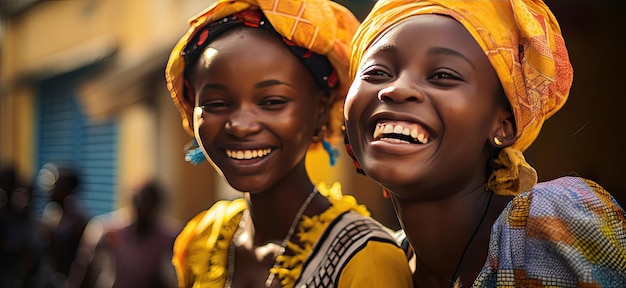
(203, 36)
(251, 18)
(288, 42)
(332, 79)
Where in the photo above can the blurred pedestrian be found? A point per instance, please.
(63, 222)
(20, 245)
(136, 254)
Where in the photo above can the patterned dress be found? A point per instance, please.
(568, 232)
(341, 247)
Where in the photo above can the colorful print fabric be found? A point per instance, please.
(568, 232)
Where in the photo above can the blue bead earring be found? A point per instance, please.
(333, 153)
(194, 153)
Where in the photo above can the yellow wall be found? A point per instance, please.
(54, 37)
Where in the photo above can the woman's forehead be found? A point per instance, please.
(424, 32)
(235, 36)
(424, 27)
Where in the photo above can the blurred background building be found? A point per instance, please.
(82, 85)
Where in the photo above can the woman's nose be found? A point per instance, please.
(400, 92)
(242, 123)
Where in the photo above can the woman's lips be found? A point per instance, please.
(400, 132)
(248, 154)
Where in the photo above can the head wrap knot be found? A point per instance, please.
(319, 26)
(521, 39)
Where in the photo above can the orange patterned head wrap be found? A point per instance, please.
(322, 26)
(523, 42)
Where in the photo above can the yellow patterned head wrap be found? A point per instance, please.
(322, 26)
(523, 42)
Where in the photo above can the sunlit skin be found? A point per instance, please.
(428, 74)
(254, 97)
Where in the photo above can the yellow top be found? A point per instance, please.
(201, 250)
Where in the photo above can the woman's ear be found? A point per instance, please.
(504, 133)
(504, 130)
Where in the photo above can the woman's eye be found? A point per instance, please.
(374, 73)
(444, 75)
(273, 103)
(214, 106)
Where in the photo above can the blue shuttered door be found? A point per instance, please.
(67, 138)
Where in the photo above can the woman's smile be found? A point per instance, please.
(400, 132)
(248, 154)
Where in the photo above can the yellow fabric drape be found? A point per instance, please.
(523, 42)
(201, 249)
(322, 26)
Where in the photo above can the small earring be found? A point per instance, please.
(316, 138)
(497, 141)
(193, 153)
(319, 134)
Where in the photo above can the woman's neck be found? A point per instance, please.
(442, 232)
(273, 211)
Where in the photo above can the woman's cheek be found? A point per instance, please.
(353, 93)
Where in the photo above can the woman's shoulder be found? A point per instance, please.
(220, 212)
(224, 213)
(373, 258)
(566, 197)
(356, 249)
(358, 225)
(565, 221)
(567, 202)
(347, 215)
(199, 242)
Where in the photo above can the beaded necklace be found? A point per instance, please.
(283, 245)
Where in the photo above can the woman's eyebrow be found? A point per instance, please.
(271, 82)
(451, 52)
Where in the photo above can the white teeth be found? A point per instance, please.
(377, 131)
(247, 154)
(396, 128)
(394, 140)
(420, 137)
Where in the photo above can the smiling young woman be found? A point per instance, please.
(257, 83)
(446, 96)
